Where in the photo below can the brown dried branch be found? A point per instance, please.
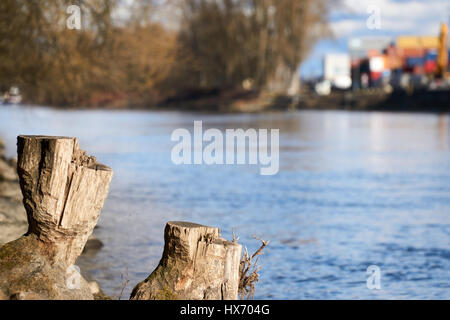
(124, 284)
(249, 271)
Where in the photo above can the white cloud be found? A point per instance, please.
(347, 27)
(397, 17)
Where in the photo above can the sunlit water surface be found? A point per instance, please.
(353, 190)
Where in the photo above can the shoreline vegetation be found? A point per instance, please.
(203, 48)
(421, 101)
(367, 100)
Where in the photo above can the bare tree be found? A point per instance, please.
(264, 40)
(140, 58)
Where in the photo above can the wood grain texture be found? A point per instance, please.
(197, 264)
(64, 191)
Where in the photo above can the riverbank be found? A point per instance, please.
(437, 101)
(13, 219)
(252, 101)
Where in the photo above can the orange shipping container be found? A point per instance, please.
(387, 62)
(418, 70)
(422, 42)
(373, 53)
(412, 52)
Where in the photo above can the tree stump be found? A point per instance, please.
(197, 264)
(63, 193)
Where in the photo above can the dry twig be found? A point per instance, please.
(235, 240)
(249, 271)
(124, 283)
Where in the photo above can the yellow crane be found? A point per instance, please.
(442, 59)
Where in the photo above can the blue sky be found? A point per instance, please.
(397, 17)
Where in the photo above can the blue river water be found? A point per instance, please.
(353, 190)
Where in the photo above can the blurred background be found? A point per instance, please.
(140, 53)
(359, 92)
(242, 55)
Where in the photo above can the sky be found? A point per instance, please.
(396, 17)
(349, 19)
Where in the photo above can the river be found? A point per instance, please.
(353, 190)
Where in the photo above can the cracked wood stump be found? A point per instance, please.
(63, 193)
(197, 264)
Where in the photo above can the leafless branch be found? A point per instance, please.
(249, 270)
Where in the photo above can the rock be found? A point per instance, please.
(197, 264)
(7, 171)
(64, 191)
(11, 190)
(93, 244)
(7, 167)
(27, 273)
(102, 296)
(2, 146)
(26, 296)
(94, 287)
(13, 220)
(97, 292)
(13, 162)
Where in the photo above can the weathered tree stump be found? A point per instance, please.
(197, 264)
(63, 193)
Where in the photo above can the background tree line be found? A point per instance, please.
(139, 53)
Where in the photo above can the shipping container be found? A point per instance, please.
(430, 66)
(393, 58)
(412, 52)
(359, 47)
(431, 55)
(418, 42)
(373, 53)
(414, 61)
(375, 77)
(386, 62)
(418, 70)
